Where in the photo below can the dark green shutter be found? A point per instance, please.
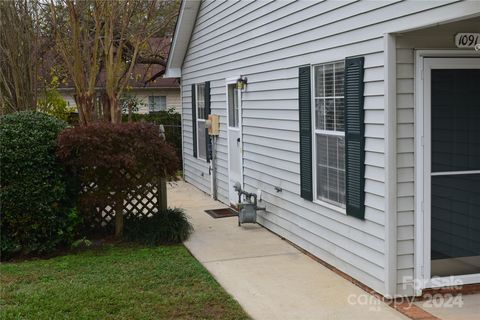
(194, 122)
(305, 122)
(354, 138)
(207, 112)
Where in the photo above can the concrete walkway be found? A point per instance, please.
(266, 275)
(467, 307)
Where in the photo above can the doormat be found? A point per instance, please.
(222, 213)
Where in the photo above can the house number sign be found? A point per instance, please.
(467, 40)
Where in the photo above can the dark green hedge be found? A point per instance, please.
(37, 213)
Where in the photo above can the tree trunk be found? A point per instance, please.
(86, 108)
(106, 107)
(119, 217)
(130, 112)
(115, 110)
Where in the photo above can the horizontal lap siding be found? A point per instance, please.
(405, 170)
(267, 41)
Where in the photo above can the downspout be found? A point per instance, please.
(390, 165)
(182, 127)
(214, 167)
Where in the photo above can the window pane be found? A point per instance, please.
(319, 92)
(329, 114)
(341, 152)
(321, 151)
(332, 151)
(328, 80)
(339, 78)
(339, 115)
(322, 185)
(235, 108)
(201, 101)
(341, 186)
(233, 115)
(151, 104)
(202, 152)
(330, 168)
(333, 184)
(320, 114)
(157, 103)
(162, 103)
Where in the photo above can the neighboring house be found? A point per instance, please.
(163, 94)
(153, 95)
(359, 124)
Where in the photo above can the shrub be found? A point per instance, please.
(113, 161)
(166, 227)
(51, 102)
(36, 209)
(172, 124)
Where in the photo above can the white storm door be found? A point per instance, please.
(451, 171)
(234, 141)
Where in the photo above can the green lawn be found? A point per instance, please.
(121, 282)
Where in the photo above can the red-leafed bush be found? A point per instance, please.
(109, 161)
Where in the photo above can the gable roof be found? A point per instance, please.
(181, 37)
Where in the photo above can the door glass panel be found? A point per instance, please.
(455, 191)
(455, 120)
(232, 106)
(455, 224)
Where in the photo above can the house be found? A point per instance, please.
(357, 121)
(152, 91)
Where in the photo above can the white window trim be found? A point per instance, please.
(332, 205)
(198, 121)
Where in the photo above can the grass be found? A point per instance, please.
(115, 282)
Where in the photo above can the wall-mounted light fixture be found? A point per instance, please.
(242, 83)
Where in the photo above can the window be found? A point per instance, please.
(233, 116)
(329, 132)
(157, 103)
(201, 116)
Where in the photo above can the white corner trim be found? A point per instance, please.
(390, 165)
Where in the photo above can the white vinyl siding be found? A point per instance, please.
(267, 41)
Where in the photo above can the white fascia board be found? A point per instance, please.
(173, 73)
(181, 38)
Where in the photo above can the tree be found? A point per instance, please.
(130, 104)
(20, 54)
(115, 159)
(113, 36)
(77, 30)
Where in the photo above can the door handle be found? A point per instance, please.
(238, 141)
